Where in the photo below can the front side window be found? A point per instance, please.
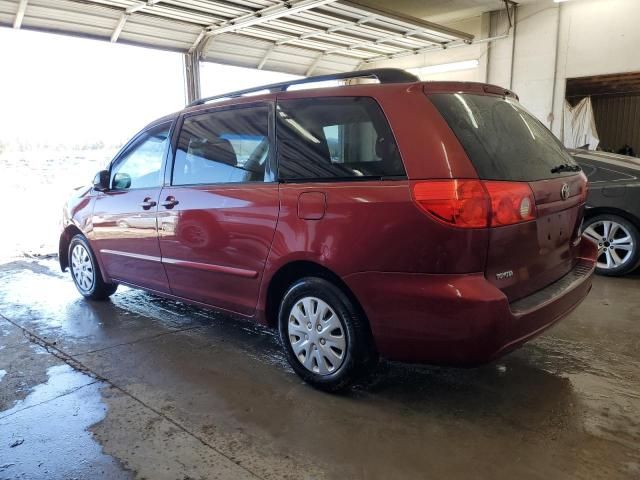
(338, 138)
(224, 146)
(141, 165)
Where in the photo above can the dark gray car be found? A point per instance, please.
(613, 209)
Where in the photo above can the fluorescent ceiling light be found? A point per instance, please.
(445, 67)
(559, 1)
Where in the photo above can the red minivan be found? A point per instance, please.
(433, 222)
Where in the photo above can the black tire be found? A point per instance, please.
(359, 356)
(98, 289)
(594, 225)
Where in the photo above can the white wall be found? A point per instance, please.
(596, 37)
(593, 37)
(534, 59)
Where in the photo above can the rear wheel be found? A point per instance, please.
(85, 271)
(618, 241)
(325, 337)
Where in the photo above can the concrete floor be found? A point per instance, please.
(142, 387)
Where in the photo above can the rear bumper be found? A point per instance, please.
(462, 319)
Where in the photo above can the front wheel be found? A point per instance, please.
(618, 243)
(325, 337)
(85, 271)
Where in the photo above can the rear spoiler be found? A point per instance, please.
(467, 87)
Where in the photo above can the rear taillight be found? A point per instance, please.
(511, 202)
(462, 203)
(476, 203)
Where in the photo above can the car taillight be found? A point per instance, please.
(511, 202)
(476, 203)
(462, 203)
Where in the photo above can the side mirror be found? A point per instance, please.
(121, 181)
(101, 181)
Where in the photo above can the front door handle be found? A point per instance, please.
(147, 203)
(170, 202)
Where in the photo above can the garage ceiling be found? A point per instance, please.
(445, 11)
(294, 36)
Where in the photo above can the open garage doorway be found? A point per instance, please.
(615, 100)
(68, 106)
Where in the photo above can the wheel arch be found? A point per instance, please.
(594, 211)
(63, 245)
(293, 271)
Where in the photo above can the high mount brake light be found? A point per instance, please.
(476, 203)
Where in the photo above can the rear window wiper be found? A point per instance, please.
(566, 167)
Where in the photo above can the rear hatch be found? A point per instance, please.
(509, 147)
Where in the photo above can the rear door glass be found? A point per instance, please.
(502, 139)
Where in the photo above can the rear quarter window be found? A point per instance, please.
(337, 138)
(502, 139)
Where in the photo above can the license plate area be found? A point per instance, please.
(555, 230)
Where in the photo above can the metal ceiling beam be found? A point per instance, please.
(313, 66)
(339, 29)
(344, 49)
(123, 18)
(22, 7)
(197, 44)
(191, 63)
(413, 27)
(402, 21)
(139, 6)
(119, 27)
(417, 51)
(384, 39)
(325, 31)
(321, 45)
(266, 56)
(266, 14)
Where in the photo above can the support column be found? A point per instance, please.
(191, 62)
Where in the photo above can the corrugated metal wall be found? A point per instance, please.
(618, 121)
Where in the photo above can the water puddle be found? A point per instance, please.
(45, 435)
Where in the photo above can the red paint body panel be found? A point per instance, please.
(129, 236)
(455, 319)
(215, 242)
(540, 251)
(429, 289)
(371, 226)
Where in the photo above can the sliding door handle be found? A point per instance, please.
(147, 203)
(170, 202)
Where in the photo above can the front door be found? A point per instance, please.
(218, 217)
(125, 232)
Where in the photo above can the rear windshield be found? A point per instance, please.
(502, 139)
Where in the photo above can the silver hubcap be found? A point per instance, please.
(316, 336)
(82, 268)
(615, 243)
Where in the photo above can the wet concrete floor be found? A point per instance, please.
(141, 387)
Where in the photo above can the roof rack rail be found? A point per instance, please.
(384, 75)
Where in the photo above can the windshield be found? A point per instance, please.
(502, 139)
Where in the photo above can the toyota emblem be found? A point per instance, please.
(564, 191)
